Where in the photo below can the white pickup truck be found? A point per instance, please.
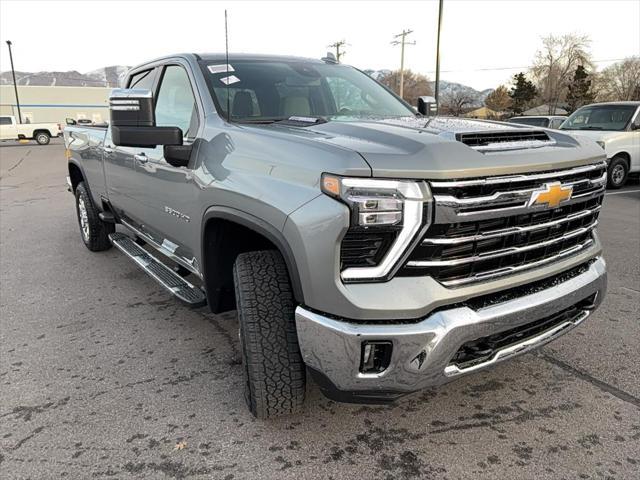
(615, 126)
(40, 132)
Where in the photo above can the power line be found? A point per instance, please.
(492, 69)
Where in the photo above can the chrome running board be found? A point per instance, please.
(170, 280)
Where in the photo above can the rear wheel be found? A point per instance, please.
(618, 172)
(43, 138)
(275, 372)
(94, 232)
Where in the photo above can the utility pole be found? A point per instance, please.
(402, 42)
(15, 85)
(337, 46)
(438, 57)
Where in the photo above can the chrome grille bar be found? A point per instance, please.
(518, 178)
(501, 272)
(503, 252)
(499, 198)
(509, 231)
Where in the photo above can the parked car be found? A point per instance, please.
(378, 250)
(10, 129)
(615, 126)
(548, 121)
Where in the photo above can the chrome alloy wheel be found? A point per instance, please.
(617, 174)
(84, 219)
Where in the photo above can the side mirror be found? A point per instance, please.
(635, 125)
(70, 121)
(133, 123)
(427, 106)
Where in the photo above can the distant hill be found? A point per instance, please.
(103, 77)
(446, 88)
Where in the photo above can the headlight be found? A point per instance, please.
(601, 143)
(386, 215)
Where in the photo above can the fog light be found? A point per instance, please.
(376, 356)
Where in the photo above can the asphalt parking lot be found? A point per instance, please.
(104, 375)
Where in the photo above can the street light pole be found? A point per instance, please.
(402, 42)
(15, 85)
(438, 58)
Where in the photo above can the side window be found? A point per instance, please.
(5, 120)
(175, 104)
(142, 80)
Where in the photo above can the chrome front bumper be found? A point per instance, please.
(422, 351)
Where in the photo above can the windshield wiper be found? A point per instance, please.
(299, 121)
(291, 120)
(264, 121)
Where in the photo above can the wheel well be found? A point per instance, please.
(75, 174)
(223, 241)
(625, 156)
(42, 130)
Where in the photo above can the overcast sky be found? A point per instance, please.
(483, 42)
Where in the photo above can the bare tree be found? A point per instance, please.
(415, 85)
(620, 81)
(498, 100)
(456, 102)
(555, 64)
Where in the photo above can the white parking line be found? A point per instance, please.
(623, 191)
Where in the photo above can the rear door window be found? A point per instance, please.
(5, 120)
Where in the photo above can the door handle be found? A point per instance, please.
(141, 158)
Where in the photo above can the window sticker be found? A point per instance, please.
(231, 79)
(220, 68)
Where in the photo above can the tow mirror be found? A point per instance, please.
(70, 121)
(427, 106)
(133, 123)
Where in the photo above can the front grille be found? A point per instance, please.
(484, 349)
(484, 228)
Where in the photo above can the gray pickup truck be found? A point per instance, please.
(377, 249)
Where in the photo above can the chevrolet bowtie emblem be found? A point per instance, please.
(553, 194)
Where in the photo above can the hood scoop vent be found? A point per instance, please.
(510, 140)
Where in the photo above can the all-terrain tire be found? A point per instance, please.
(275, 372)
(94, 232)
(617, 173)
(43, 138)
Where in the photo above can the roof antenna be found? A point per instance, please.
(226, 48)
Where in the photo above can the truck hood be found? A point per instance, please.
(597, 134)
(429, 148)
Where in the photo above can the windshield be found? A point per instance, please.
(533, 121)
(266, 91)
(600, 117)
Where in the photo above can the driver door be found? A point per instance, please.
(167, 195)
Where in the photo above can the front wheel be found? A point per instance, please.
(617, 173)
(43, 138)
(275, 372)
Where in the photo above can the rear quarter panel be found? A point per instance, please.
(85, 147)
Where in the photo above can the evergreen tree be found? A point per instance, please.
(579, 90)
(522, 92)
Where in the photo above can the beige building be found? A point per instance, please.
(55, 104)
